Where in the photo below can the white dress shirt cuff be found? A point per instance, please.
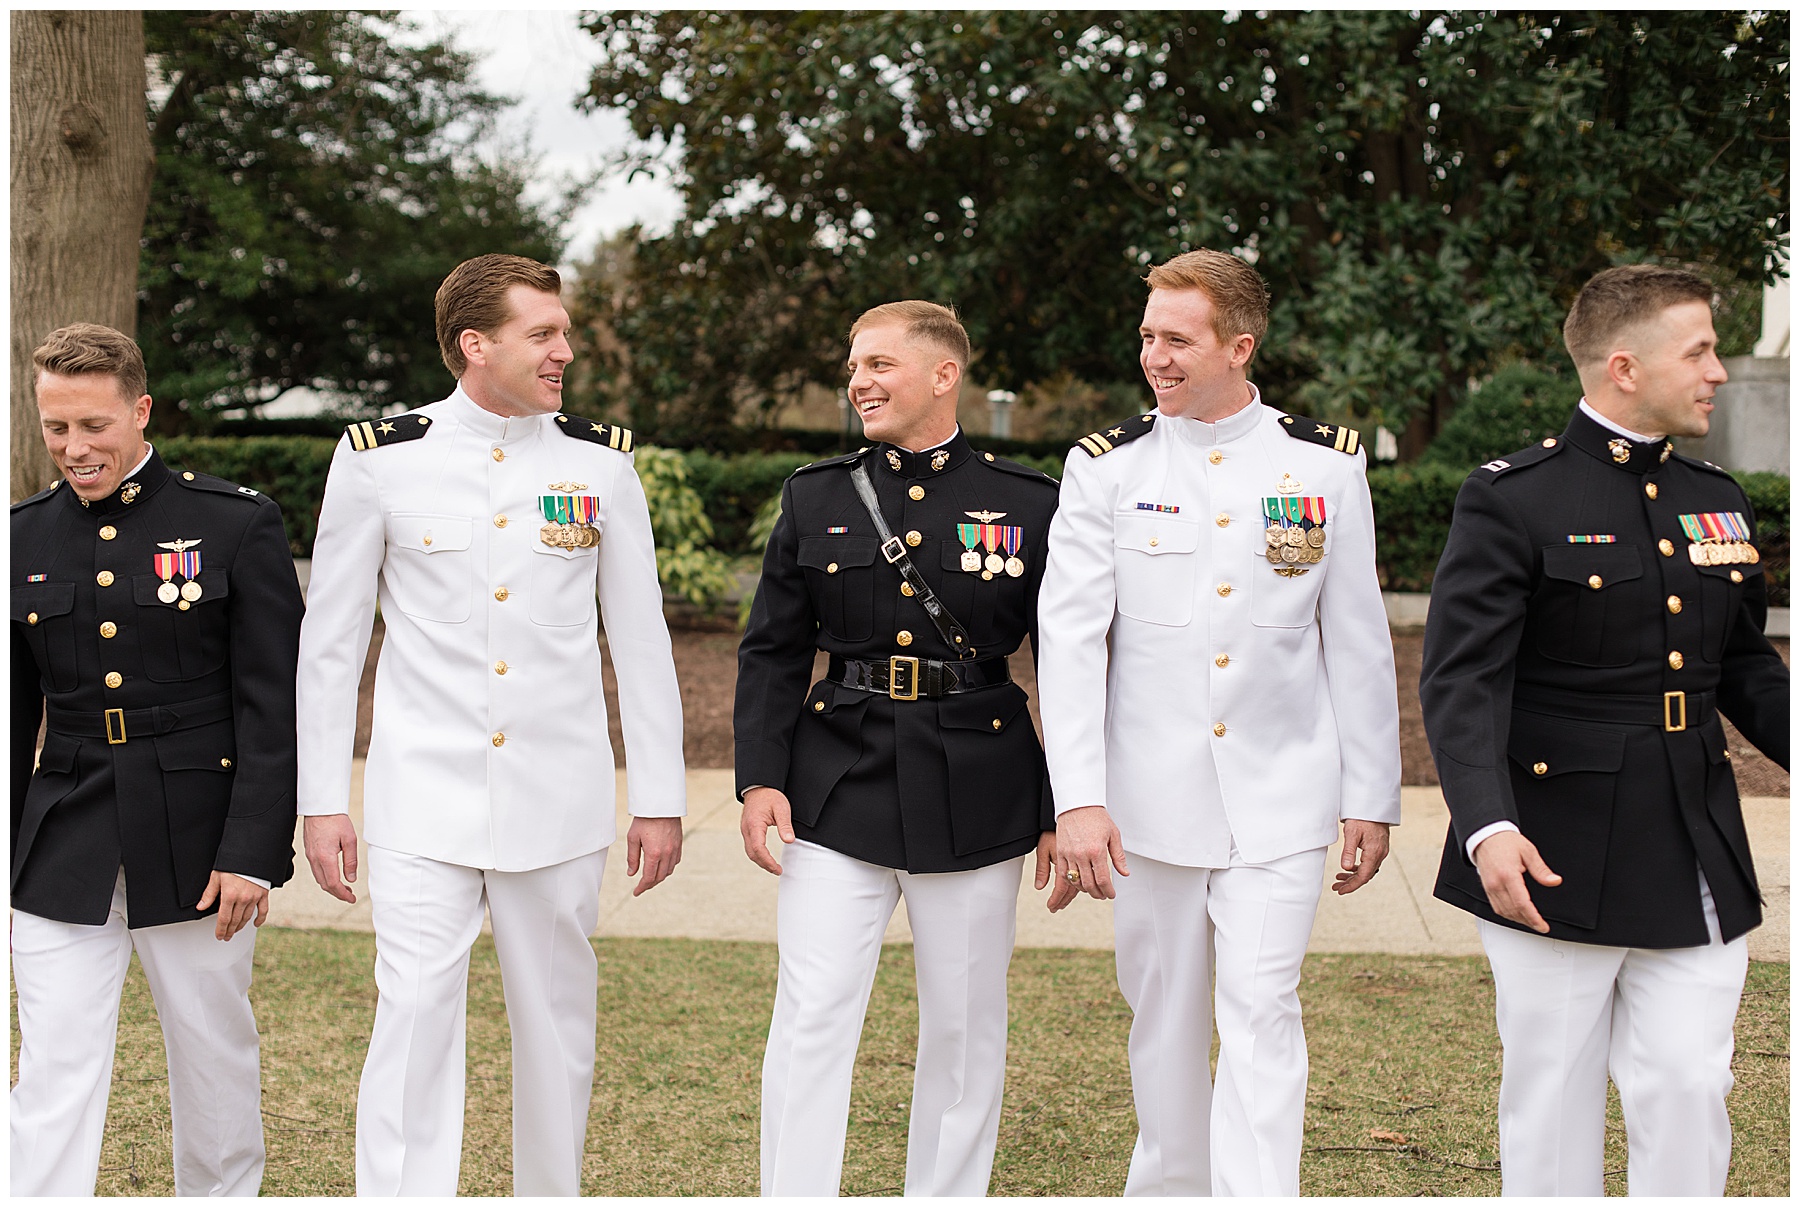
(1482, 835)
(258, 881)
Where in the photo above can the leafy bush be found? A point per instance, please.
(289, 469)
(1413, 505)
(733, 489)
(1769, 495)
(686, 561)
(1516, 407)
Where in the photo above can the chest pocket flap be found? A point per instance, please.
(423, 532)
(1583, 563)
(44, 599)
(834, 553)
(1155, 534)
(991, 710)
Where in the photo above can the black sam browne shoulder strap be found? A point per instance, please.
(894, 550)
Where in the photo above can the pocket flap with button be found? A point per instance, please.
(46, 599)
(1743, 570)
(1562, 746)
(993, 709)
(424, 532)
(1583, 563)
(203, 748)
(58, 753)
(1155, 533)
(823, 552)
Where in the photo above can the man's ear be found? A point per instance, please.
(140, 412)
(1623, 370)
(1241, 349)
(473, 346)
(945, 378)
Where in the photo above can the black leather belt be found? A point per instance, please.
(1670, 712)
(917, 678)
(117, 725)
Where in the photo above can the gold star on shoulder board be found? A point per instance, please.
(1324, 429)
(384, 426)
(1115, 432)
(598, 430)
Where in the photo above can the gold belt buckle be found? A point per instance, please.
(1674, 706)
(110, 714)
(912, 667)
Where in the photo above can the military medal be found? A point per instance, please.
(570, 517)
(1012, 538)
(1719, 538)
(183, 559)
(190, 591)
(1296, 532)
(970, 536)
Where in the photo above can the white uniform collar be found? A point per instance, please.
(1233, 427)
(1610, 426)
(488, 425)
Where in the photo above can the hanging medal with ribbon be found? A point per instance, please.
(182, 561)
(1719, 538)
(1012, 538)
(1294, 531)
(990, 539)
(970, 536)
(569, 517)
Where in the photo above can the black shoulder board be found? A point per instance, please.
(1548, 447)
(1107, 439)
(1343, 439)
(609, 434)
(373, 433)
(221, 486)
(1013, 467)
(40, 496)
(846, 459)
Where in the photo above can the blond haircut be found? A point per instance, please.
(1618, 299)
(93, 350)
(921, 320)
(473, 297)
(1239, 297)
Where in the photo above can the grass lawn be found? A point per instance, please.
(1400, 1045)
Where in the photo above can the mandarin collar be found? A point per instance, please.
(1604, 444)
(133, 492)
(489, 426)
(1233, 427)
(933, 461)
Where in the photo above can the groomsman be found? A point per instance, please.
(486, 525)
(1218, 696)
(1598, 608)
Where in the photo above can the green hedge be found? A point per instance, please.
(289, 469)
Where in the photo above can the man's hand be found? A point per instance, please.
(330, 838)
(1503, 859)
(238, 900)
(1087, 841)
(657, 840)
(1370, 838)
(1061, 891)
(765, 807)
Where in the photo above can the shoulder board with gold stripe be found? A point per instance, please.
(609, 434)
(1107, 439)
(395, 429)
(1331, 435)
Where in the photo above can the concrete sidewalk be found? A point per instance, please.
(717, 893)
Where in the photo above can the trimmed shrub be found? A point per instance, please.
(1516, 407)
(289, 469)
(1769, 500)
(1413, 505)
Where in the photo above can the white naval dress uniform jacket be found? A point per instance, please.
(506, 771)
(1158, 626)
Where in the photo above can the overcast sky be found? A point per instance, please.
(542, 58)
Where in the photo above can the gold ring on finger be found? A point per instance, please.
(1072, 876)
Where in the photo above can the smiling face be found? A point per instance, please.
(1665, 373)
(903, 387)
(95, 433)
(518, 368)
(1193, 373)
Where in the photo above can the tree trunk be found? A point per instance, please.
(81, 169)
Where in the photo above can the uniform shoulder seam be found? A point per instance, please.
(40, 496)
(1098, 444)
(1523, 458)
(217, 485)
(828, 462)
(1013, 467)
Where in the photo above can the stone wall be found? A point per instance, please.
(1750, 417)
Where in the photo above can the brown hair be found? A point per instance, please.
(473, 297)
(1239, 297)
(89, 349)
(922, 320)
(1620, 298)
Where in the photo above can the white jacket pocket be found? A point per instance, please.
(1154, 565)
(429, 570)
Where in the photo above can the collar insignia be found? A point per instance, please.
(1668, 447)
(893, 460)
(940, 459)
(1621, 450)
(130, 491)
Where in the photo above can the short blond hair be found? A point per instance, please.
(473, 298)
(922, 320)
(1614, 301)
(1239, 297)
(93, 350)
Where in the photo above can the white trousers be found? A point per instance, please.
(68, 978)
(832, 911)
(1659, 1020)
(409, 1108)
(1174, 927)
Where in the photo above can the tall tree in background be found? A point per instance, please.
(80, 178)
(1424, 192)
(316, 178)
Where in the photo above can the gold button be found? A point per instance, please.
(915, 493)
(1224, 589)
(1222, 660)
(1219, 730)
(500, 667)
(225, 763)
(1594, 581)
(913, 538)
(989, 456)
(31, 619)
(184, 605)
(104, 578)
(1666, 548)
(818, 706)
(1650, 489)
(903, 637)
(499, 739)
(107, 627)
(1154, 542)
(499, 455)
(986, 575)
(188, 477)
(1675, 603)
(1215, 456)
(831, 569)
(906, 590)
(1675, 659)
(1540, 768)
(1550, 442)
(501, 593)
(1224, 521)
(1737, 576)
(996, 722)
(500, 520)
(114, 678)
(108, 533)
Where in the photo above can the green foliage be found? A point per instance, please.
(289, 469)
(1516, 407)
(1424, 192)
(686, 562)
(1769, 494)
(315, 181)
(1413, 505)
(736, 491)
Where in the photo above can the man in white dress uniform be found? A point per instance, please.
(1218, 694)
(486, 525)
